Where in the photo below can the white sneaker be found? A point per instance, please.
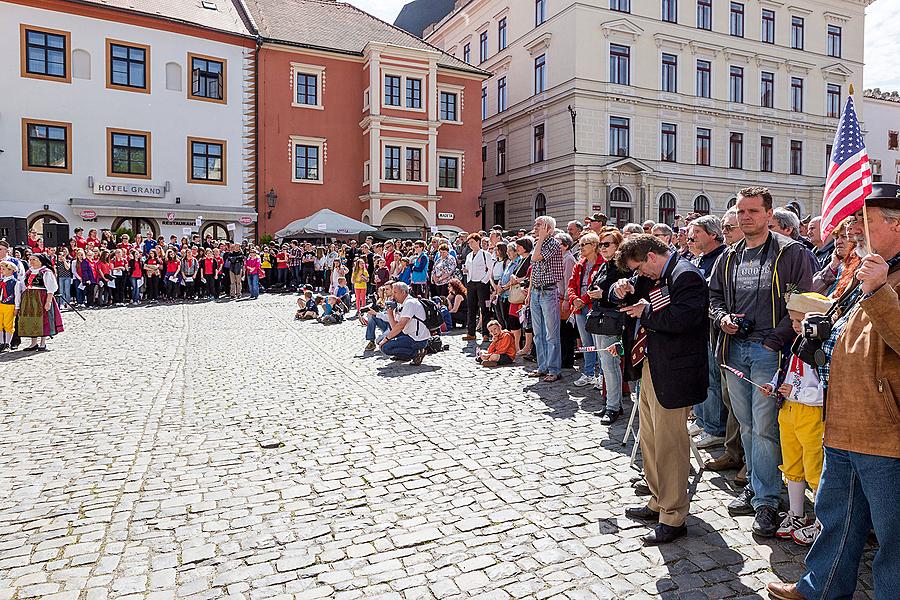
(805, 536)
(583, 381)
(694, 429)
(598, 383)
(707, 440)
(790, 524)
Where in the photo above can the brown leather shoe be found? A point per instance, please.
(784, 591)
(468, 338)
(741, 477)
(723, 463)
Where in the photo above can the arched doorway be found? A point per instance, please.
(38, 220)
(136, 225)
(540, 205)
(619, 207)
(701, 205)
(402, 217)
(218, 231)
(667, 209)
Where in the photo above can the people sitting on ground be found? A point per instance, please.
(308, 307)
(502, 349)
(332, 311)
(456, 302)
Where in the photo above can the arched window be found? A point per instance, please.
(620, 209)
(81, 64)
(136, 225)
(218, 231)
(540, 205)
(173, 76)
(701, 205)
(667, 208)
(732, 201)
(620, 195)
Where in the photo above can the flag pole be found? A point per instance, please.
(865, 212)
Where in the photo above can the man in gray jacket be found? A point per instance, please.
(748, 305)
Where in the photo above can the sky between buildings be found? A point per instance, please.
(882, 38)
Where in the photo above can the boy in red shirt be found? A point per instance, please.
(502, 350)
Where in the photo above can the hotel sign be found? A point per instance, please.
(119, 188)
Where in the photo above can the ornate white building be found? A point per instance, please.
(673, 105)
(881, 111)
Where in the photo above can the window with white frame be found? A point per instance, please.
(540, 73)
(392, 90)
(449, 106)
(449, 171)
(484, 104)
(403, 90)
(392, 170)
(404, 162)
(501, 94)
(413, 93)
(308, 158)
(308, 84)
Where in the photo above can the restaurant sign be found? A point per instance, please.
(119, 188)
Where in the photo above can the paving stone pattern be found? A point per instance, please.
(223, 450)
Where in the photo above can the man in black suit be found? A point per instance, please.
(668, 302)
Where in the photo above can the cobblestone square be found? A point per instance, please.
(223, 450)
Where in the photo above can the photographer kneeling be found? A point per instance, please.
(376, 313)
(408, 336)
(859, 358)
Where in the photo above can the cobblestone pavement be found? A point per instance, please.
(224, 450)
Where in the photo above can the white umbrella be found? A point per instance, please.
(325, 222)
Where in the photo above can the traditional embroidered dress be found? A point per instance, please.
(34, 319)
(10, 298)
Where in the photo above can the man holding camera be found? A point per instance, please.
(408, 336)
(858, 490)
(748, 305)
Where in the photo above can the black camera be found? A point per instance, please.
(391, 305)
(817, 328)
(745, 326)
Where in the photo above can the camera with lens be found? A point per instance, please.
(745, 326)
(391, 305)
(817, 328)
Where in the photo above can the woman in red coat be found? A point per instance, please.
(579, 283)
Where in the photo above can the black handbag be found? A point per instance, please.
(605, 321)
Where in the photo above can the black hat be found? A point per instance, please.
(45, 260)
(886, 195)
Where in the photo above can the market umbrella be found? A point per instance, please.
(324, 222)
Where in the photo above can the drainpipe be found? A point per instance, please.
(256, 128)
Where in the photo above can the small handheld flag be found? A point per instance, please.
(740, 375)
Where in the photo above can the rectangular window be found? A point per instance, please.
(668, 142)
(767, 89)
(796, 94)
(618, 136)
(834, 41)
(833, 108)
(796, 157)
(392, 163)
(500, 214)
(307, 89)
(484, 162)
(483, 46)
(484, 104)
(704, 75)
(414, 164)
(501, 94)
(540, 73)
(501, 34)
(391, 90)
(207, 161)
(44, 53)
(736, 84)
(704, 14)
(669, 73)
(413, 93)
(306, 162)
(768, 26)
(704, 144)
(670, 11)
(129, 153)
(448, 107)
(875, 167)
(619, 64)
(893, 141)
(766, 154)
(467, 54)
(207, 78)
(127, 66)
(46, 146)
(539, 143)
(828, 149)
(737, 19)
(448, 172)
(736, 151)
(797, 33)
(540, 12)
(620, 5)
(501, 157)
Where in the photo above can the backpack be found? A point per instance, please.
(433, 319)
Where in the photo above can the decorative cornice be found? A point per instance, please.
(622, 28)
(538, 44)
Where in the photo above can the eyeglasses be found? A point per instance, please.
(728, 227)
(583, 244)
(607, 244)
(690, 239)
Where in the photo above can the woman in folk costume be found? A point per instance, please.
(39, 315)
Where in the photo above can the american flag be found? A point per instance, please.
(850, 176)
(659, 298)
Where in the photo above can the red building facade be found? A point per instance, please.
(389, 133)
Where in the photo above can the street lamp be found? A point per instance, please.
(271, 198)
(574, 114)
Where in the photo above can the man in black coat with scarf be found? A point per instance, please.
(668, 304)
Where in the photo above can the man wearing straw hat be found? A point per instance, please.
(858, 491)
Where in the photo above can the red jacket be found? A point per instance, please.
(574, 286)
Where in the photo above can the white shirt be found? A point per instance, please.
(415, 327)
(479, 266)
(804, 381)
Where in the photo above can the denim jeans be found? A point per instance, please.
(611, 367)
(373, 323)
(545, 323)
(65, 288)
(587, 339)
(711, 413)
(253, 284)
(758, 418)
(79, 293)
(403, 346)
(857, 492)
(136, 289)
(295, 276)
